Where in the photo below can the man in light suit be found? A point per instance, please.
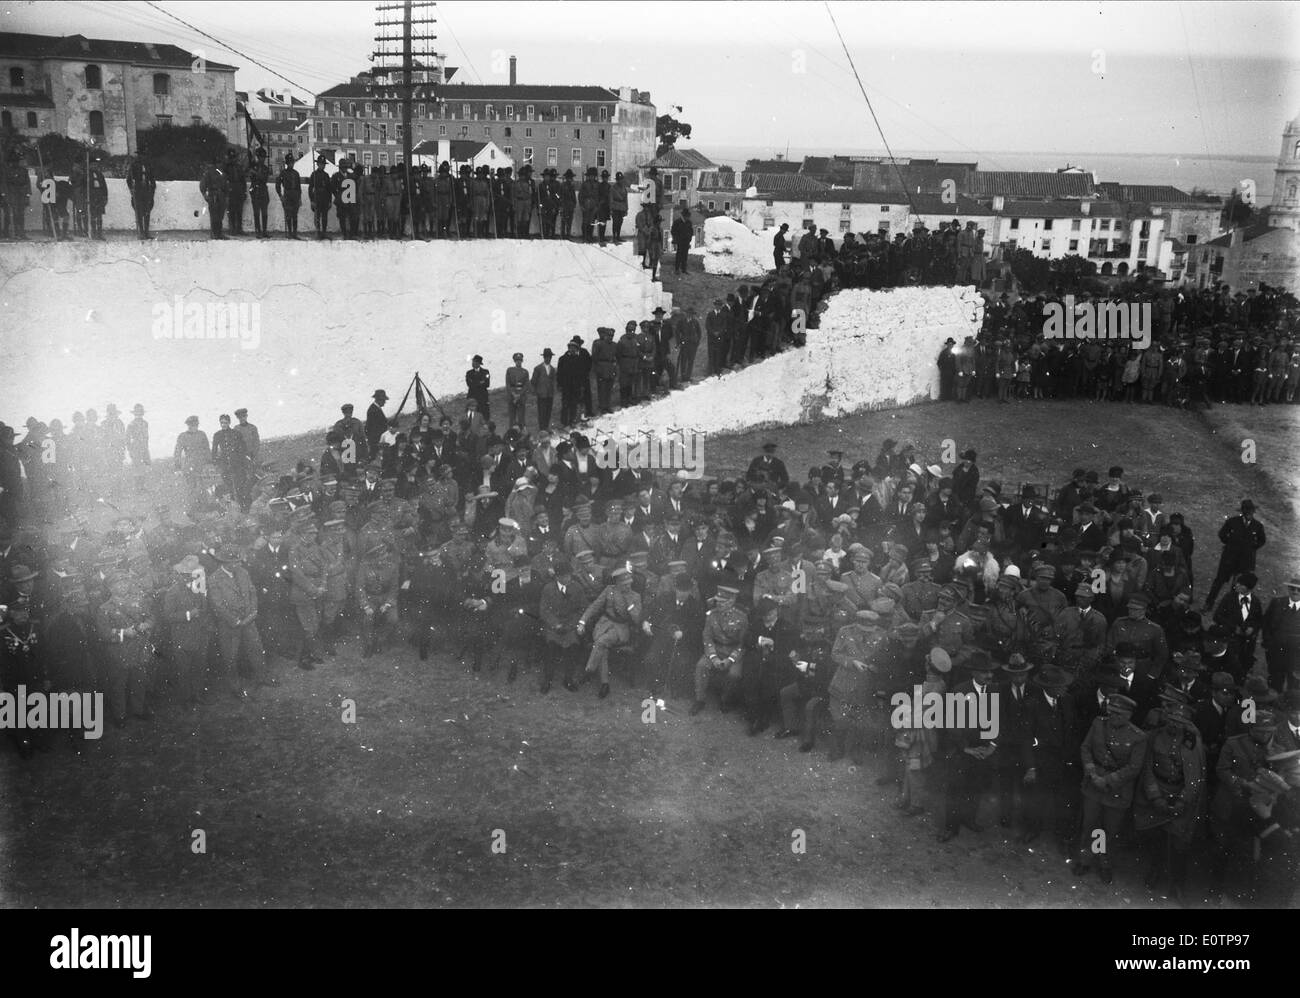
(544, 383)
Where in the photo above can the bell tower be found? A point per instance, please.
(1284, 213)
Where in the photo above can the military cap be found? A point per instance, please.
(187, 565)
(1118, 701)
(1016, 665)
(1223, 681)
(1044, 571)
(336, 522)
(591, 171)
(585, 553)
(1053, 677)
(1139, 599)
(227, 553)
(620, 573)
(191, 420)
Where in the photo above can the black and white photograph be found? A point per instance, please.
(651, 455)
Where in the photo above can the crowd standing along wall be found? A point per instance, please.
(873, 350)
(310, 325)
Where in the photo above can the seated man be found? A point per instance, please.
(614, 614)
(725, 628)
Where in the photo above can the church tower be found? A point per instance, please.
(1284, 212)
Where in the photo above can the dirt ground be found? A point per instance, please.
(593, 806)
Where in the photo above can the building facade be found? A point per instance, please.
(1284, 213)
(103, 92)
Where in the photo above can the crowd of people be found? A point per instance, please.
(803, 605)
(950, 255)
(1206, 346)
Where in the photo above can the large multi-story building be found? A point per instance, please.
(104, 92)
(563, 126)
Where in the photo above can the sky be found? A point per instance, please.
(1216, 79)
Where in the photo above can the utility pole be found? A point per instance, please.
(387, 63)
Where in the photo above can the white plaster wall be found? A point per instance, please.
(731, 249)
(874, 350)
(337, 320)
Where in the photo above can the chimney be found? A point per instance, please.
(1085, 208)
(512, 71)
(999, 202)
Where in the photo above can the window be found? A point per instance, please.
(352, 131)
(6, 119)
(352, 109)
(163, 120)
(600, 161)
(577, 133)
(94, 78)
(528, 153)
(365, 132)
(844, 225)
(528, 133)
(1145, 230)
(683, 181)
(726, 206)
(367, 158)
(162, 85)
(555, 111)
(97, 124)
(338, 109)
(383, 159)
(1074, 245)
(807, 206)
(712, 206)
(529, 112)
(884, 209)
(1047, 225)
(601, 134)
(464, 131)
(464, 110)
(509, 151)
(320, 132)
(196, 119)
(442, 131)
(1190, 239)
(383, 132)
(1015, 223)
(1046, 246)
(768, 203)
(420, 110)
(604, 114)
(31, 119)
(508, 131)
(510, 110)
(1074, 225)
(1142, 248)
(334, 131)
(487, 131)
(577, 112)
(368, 109)
(552, 156)
(577, 157)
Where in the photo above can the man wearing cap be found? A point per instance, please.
(615, 613)
(1081, 632)
(1242, 536)
(951, 626)
(1281, 627)
(1170, 795)
(191, 456)
(1146, 637)
(725, 629)
(231, 459)
(1112, 755)
(1049, 753)
(125, 626)
(523, 198)
(1211, 719)
(1232, 821)
(307, 590)
(604, 361)
(232, 597)
(189, 626)
(288, 188)
(376, 596)
(861, 655)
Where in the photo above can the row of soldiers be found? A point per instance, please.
(374, 201)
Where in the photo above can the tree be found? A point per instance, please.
(667, 130)
(1073, 272)
(1236, 213)
(181, 153)
(1032, 273)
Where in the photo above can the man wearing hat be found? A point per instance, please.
(319, 196)
(1281, 627)
(142, 183)
(307, 590)
(647, 345)
(231, 459)
(588, 202)
(1211, 719)
(768, 469)
(232, 597)
(1112, 753)
(1146, 637)
(191, 456)
(236, 190)
(611, 620)
(561, 609)
(569, 378)
(523, 198)
(503, 187)
(628, 351)
(1049, 752)
(288, 188)
(1170, 795)
(969, 756)
(549, 198)
(1233, 822)
(1241, 536)
(1241, 616)
(544, 382)
(212, 188)
(725, 629)
(568, 204)
(125, 625)
(951, 626)
(137, 444)
(604, 361)
(259, 175)
(376, 421)
(1081, 632)
(189, 626)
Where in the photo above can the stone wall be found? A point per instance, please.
(873, 350)
(302, 327)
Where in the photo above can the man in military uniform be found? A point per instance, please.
(463, 202)
(125, 627)
(259, 175)
(444, 200)
(142, 184)
(481, 196)
(615, 613)
(137, 445)
(337, 546)
(725, 629)
(1081, 632)
(517, 380)
(288, 188)
(1231, 817)
(236, 190)
(319, 195)
(343, 185)
(212, 187)
(308, 589)
(568, 204)
(549, 199)
(232, 598)
(1145, 636)
(588, 200)
(1170, 796)
(376, 590)
(604, 361)
(1112, 756)
(98, 196)
(393, 194)
(523, 197)
(628, 351)
(502, 203)
(189, 626)
(952, 627)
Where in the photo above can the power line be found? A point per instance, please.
(902, 183)
(468, 61)
(230, 48)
